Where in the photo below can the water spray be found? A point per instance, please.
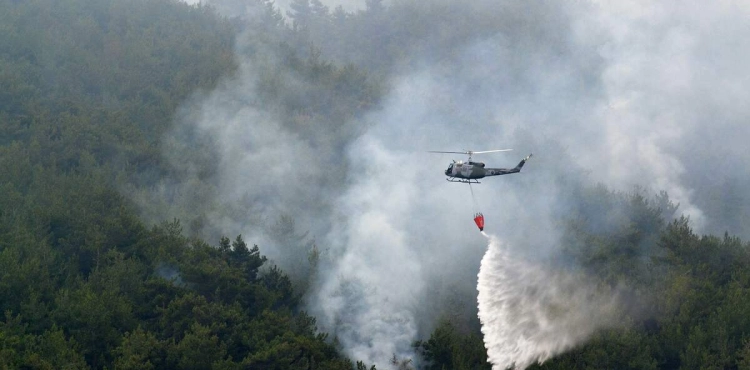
(530, 313)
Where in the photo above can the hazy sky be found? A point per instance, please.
(348, 5)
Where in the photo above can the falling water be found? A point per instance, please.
(530, 313)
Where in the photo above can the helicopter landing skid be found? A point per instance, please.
(465, 181)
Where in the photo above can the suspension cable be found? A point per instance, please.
(474, 199)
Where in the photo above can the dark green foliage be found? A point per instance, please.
(448, 348)
(139, 349)
(131, 312)
(47, 350)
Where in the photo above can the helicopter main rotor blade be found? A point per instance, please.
(492, 151)
(470, 152)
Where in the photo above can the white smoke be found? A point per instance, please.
(530, 313)
(385, 251)
(347, 5)
(372, 293)
(638, 93)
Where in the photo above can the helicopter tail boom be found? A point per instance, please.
(507, 171)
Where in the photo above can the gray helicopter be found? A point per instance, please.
(469, 171)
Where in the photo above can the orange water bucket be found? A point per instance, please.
(479, 220)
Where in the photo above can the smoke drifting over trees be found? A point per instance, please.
(625, 95)
(304, 127)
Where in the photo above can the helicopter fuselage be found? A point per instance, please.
(472, 171)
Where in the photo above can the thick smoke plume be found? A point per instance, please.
(626, 94)
(530, 313)
(366, 299)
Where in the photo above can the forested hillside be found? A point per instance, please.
(113, 211)
(88, 90)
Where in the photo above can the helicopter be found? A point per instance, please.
(469, 172)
